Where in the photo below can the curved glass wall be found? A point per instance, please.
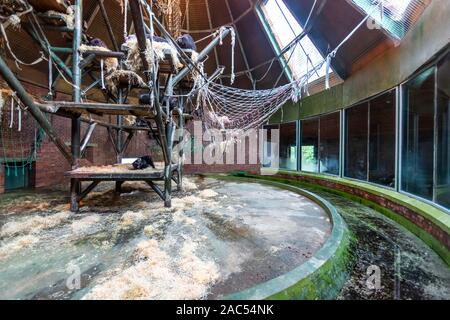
(288, 146)
(442, 188)
(370, 140)
(371, 137)
(426, 134)
(310, 145)
(329, 143)
(418, 135)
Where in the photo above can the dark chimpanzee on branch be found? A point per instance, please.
(144, 99)
(186, 42)
(143, 163)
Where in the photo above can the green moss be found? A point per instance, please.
(326, 282)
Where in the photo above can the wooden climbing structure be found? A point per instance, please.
(160, 78)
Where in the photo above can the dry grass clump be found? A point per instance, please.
(155, 275)
(34, 224)
(16, 245)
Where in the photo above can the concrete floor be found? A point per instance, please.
(219, 238)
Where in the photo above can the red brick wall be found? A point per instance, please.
(2, 180)
(50, 165)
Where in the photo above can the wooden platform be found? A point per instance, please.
(122, 172)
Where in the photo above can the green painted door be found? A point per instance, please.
(17, 178)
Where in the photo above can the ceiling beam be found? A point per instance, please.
(318, 40)
(247, 65)
(208, 12)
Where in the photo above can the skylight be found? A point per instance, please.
(396, 7)
(395, 16)
(283, 28)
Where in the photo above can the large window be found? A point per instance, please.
(288, 146)
(310, 145)
(370, 140)
(282, 28)
(320, 144)
(271, 146)
(443, 134)
(329, 143)
(356, 123)
(418, 135)
(382, 139)
(426, 134)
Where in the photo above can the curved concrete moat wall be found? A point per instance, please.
(427, 222)
(322, 276)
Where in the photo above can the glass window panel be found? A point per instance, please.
(310, 143)
(443, 134)
(418, 135)
(382, 140)
(356, 142)
(288, 146)
(329, 144)
(268, 152)
(285, 28)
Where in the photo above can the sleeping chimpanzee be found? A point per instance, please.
(186, 42)
(96, 42)
(144, 99)
(155, 38)
(143, 163)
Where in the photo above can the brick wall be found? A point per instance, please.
(50, 165)
(2, 180)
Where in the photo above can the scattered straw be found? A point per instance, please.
(156, 276)
(111, 64)
(131, 217)
(33, 225)
(84, 224)
(17, 245)
(208, 193)
(134, 62)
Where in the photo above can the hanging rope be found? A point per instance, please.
(17, 61)
(125, 20)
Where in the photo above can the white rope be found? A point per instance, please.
(102, 71)
(16, 59)
(19, 109)
(233, 45)
(125, 20)
(50, 72)
(244, 109)
(11, 122)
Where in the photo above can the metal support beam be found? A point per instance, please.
(138, 22)
(75, 185)
(87, 137)
(108, 25)
(155, 188)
